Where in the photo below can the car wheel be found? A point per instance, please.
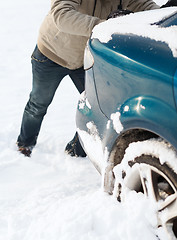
(157, 181)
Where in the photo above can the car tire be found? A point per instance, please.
(156, 181)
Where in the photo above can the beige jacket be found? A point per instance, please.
(67, 27)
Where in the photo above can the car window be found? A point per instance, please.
(167, 22)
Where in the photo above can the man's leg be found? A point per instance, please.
(74, 147)
(46, 77)
(78, 78)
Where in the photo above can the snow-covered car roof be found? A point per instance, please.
(144, 24)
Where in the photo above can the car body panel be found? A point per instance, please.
(123, 72)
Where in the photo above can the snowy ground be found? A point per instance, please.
(50, 196)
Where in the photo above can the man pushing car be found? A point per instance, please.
(60, 51)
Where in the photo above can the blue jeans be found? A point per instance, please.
(47, 76)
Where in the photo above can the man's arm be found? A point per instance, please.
(170, 3)
(142, 5)
(69, 20)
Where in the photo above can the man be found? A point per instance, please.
(59, 52)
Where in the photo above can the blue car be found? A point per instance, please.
(127, 116)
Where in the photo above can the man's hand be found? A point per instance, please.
(170, 3)
(118, 13)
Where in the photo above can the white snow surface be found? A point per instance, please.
(116, 122)
(51, 196)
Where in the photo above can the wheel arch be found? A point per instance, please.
(127, 137)
(151, 113)
(118, 151)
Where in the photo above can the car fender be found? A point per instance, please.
(151, 114)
